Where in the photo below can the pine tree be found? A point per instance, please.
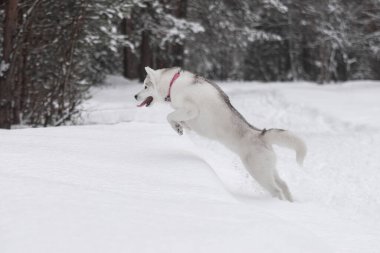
(7, 63)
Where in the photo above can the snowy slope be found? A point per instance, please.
(127, 183)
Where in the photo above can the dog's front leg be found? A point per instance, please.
(181, 115)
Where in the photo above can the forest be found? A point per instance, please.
(52, 52)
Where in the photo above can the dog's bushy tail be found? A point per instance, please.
(286, 139)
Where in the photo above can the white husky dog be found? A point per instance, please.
(203, 107)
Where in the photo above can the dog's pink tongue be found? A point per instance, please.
(143, 103)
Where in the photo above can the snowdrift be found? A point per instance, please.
(126, 182)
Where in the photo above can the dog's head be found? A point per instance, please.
(149, 94)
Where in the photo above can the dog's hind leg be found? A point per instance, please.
(284, 187)
(261, 168)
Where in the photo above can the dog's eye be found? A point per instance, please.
(146, 87)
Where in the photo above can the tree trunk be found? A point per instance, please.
(292, 49)
(146, 55)
(130, 65)
(178, 49)
(19, 82)
(6, 82)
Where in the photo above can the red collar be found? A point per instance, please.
(176, 75)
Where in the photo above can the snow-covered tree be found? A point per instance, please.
(59, 49)
(156, 32)
(53, 51)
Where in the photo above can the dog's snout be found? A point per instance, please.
(136, 96)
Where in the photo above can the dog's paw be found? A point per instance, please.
(178, 128)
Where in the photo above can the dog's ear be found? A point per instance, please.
(152, 74)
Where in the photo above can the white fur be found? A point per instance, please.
(202, 107)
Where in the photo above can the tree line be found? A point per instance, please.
(53, 51)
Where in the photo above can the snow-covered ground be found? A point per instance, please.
(124, 181)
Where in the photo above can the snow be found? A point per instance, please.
(3, 67)
(278, 5)
(124, 181)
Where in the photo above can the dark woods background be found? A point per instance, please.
(53, 51)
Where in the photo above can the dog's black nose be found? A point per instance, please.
(136, 97)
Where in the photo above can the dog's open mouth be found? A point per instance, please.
(146, 102)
